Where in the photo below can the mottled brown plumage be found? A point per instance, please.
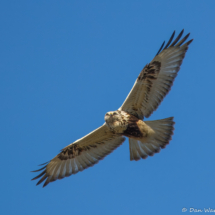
(145, 137)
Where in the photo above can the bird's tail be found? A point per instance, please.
(163, 129)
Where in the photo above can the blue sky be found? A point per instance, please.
(64, 64)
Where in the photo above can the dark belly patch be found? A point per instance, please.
(133, 130)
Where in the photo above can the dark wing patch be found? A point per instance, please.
(156, 78)
(150, 71)
(75, 158)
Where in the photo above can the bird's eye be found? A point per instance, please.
(114, 113)
(107, 114)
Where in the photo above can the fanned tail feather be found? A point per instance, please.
(163, 131)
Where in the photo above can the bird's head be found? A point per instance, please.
(112, 116)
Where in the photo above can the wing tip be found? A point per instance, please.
(176, 42)
(190, 41)
(160, 48)
(170, 40)
(43, 174)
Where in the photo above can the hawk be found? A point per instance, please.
(145, 137)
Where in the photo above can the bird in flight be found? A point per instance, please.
(145, 137)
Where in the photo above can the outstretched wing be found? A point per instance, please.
(80, 155)
(156, 78)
